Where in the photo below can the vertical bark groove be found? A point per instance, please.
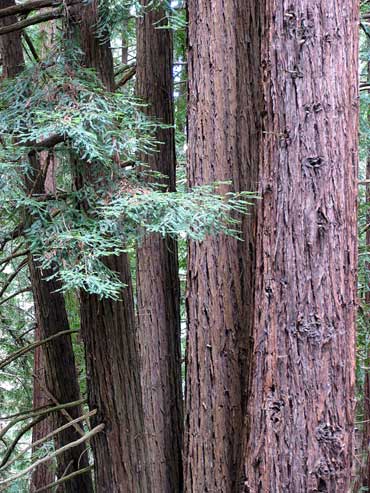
(157, 269)
(301, 408)
(222, 143)
(110, 333)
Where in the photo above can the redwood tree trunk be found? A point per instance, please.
(157, 269)
(60, 369)
(301, 407)
(43, 474)
(110, 336)
(222, 127)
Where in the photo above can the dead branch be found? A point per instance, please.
(61, 450)
(48, 436)
(31, 347)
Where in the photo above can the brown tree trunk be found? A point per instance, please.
(110, 335)
(222, 131)
(301, 406)
(61, 376)
(157, 269)
(60, 370)
(43, 474)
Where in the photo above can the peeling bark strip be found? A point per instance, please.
(301, 409)
(157, 270)
(223, 145)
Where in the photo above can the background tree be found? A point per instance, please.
(157, 265)
(51, 316)
(220, 133)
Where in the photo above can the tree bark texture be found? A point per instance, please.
(110, 336)
(10, 46)
(301, 407)
(157, 269)
(43, 474)
(61, 376)
(223, 144)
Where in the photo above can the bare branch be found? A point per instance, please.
(66, 478)
(31, 347)
(15, 255)
(13, 276)
(61, 450)
(26, 8)
(44, 412)
(50, 435)
(18, 436)
(37, 19)
(126, 77)
(30, 45)
(17, 293)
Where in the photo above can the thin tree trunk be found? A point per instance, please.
(301, 407)
(60, 370)
(43, 474)
(157, 269)
(222, 127)
(110, 336)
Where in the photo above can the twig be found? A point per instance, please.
(18, 436)
(13, 276)
(50, 435)
(44, 412)
(66, 478)
(31, 347)
(21, 291)
(14, 256)
(61, 450)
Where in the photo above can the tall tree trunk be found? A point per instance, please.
(61, 377)
(110, 335)
(157, 269)
(364, 472)
(301, 406)
(43, 474)
(222, 132)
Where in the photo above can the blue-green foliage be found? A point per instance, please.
(73, 230)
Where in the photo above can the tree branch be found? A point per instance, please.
(61, 450)
(50, 435)
(18, 436)
(21, 291)
(37, 19)
(126, 77)
(26, 8)
(31, 347)
(13, 276)
(44, 412)
(66, 478)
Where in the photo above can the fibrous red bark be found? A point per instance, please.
(157, 268)
(301, 406)
(110, 333)
(223, 145)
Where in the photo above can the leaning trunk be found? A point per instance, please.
(109, 332)
(221, 126)
(157, 268)
(301, 408)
